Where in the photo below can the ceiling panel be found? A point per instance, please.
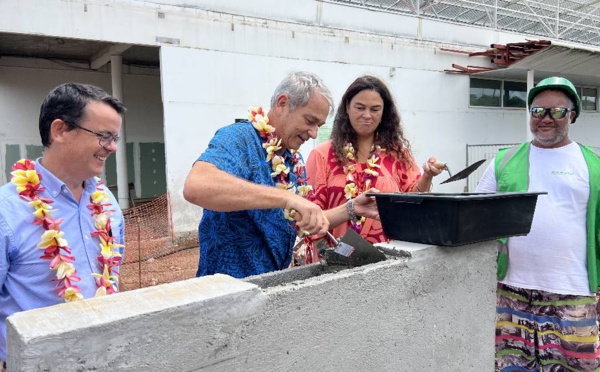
(33, 46)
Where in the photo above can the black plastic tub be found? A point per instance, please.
(455, 219)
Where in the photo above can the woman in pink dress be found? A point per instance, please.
(367, 150)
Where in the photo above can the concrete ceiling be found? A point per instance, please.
(92, 52)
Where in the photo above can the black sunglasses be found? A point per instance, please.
(104, 139)
(554, 112)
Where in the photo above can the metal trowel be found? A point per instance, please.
(351, 249)
(465, 172)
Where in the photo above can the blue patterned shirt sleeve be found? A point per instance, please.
(248, 242)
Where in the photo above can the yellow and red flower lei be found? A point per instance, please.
(56, 248)
(370, 173)
(280, 171)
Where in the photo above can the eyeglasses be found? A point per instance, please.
(555, 112)
(104, 139)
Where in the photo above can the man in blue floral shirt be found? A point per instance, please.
(250, 179)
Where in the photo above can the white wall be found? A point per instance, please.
(434, 107)
(250, 80)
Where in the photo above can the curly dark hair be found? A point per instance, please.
(389, 135)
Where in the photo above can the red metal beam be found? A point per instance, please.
(469, 70)
(502, 55)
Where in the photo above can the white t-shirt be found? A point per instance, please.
(552, 257)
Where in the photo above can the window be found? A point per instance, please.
(515, 94)
(500, 93)
(588, 99)
(485, 92)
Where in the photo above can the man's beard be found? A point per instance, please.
(559, 136)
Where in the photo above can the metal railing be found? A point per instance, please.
(478, 152)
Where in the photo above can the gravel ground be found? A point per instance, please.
(151, 271)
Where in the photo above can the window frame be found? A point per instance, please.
(501, 93)
(580, 92)
(579, 89)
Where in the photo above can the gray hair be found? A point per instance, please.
(298, 86)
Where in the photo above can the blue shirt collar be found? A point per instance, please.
(55, 186)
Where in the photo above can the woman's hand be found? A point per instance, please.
(366, 205)
(432, 167)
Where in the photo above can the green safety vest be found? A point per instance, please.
(512, 174)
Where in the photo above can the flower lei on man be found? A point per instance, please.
(370, 173)
(280, 171)
(56, 248)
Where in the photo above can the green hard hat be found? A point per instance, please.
(557, 83)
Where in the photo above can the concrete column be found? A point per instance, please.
(530, 75)
(116, 71)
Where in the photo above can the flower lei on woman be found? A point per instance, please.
(351, 190)
(56, 248)
(280, 171)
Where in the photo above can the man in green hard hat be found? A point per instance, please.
(546, 316)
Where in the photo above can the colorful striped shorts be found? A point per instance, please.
(543, 331)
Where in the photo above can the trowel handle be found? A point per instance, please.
(440, 165)
(332, 237)
(295, 215)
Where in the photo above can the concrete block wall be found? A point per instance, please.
(426, 308)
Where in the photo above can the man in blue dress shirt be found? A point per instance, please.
(244, 230)
(78, 128)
